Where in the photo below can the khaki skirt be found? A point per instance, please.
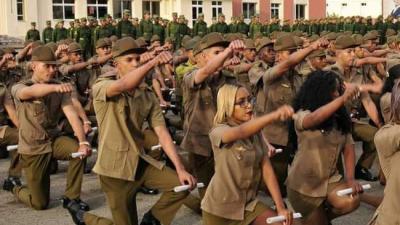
(249, 217)
(305, 204)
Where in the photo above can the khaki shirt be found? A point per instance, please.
(255, 74)
(279, 90)
(38, 119)
(200, 106)
(387, 141)
(5, 97)
(304, 69)
(238, 173)
(120, 121)
(242, 75)
(385, 104)
(315, 163)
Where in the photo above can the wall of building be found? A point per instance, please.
(354, 7)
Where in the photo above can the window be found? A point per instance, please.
(300, 11)
(216, 8)
(20, 10)
(153, 6)
(275, 10)
(197, 8)
(97, 8)
(63, 9)
(249, 10)
(363, 4)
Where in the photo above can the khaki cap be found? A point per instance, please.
(168, 40)
(345, 41)
(233, 36)
(44, 54)
(83, 19)
(190, 44)
(52, 45)
(155, 38)
(113, 38)
(313, 38)
(285, 43)
(263, 42)
(371, 36)
(48, 22)
(390, 32)
(174, 14)
(331, 36)
(126, 45)
(210, 40)
(103, 42)
(317, 53)
(358, 39)
(392, 39)
(298, 41)
(249, 43)
(127, 12)
(36, 44)
(74, 47)
(33, 23)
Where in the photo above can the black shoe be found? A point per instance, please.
(53, 166)
(148, 191)
(76, 212)
(10, 183)
(364, 174)
(83, 205)
(149, 219)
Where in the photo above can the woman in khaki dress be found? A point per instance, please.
(394, 74)
(241, 161)
(323, 129)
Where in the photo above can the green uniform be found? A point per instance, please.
(222, 28)
(233, 28)
(254, 29)
(159, 30)
(102, 32)
(126, 29)
(33, 35)
(47, 35)
(60, 34)
(181, 32)
(286, 28)
(363, 28)
(243, 28)
(331, 27)
(172, 30)
(349, 27)
(314, 28)
(84, 38)
(273, 27)
(200, 28)
(146, 29)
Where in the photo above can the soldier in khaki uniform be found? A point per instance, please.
(200, 88)
(241, 70)
(315, 61)
(241, 163)
(280, 85)
(387, 142)
(323, 131)
(362, 130)
(41, 102)
(117, 97)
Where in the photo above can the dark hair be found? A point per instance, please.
(394, 73)
(316, 92)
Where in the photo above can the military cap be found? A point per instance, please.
(323, 33)
(201, 15)
(141, 42)
(390, 32)
(210, 40)
(221, 15)
(74, 47)
(48, 22)
(33, 23)
(174, 14)
(186, 38)
(391, 39)
(83, 19)
(297, 33)
(274, 34)
(317, 53)
(36, 44)
(126, 45)
(371, 36)
(331, 36)
(285, 43)
(103, 42)
(358, 39)
(345, 41)
(43, 54)
(168, 40)
(299, 41)
(263, 42)
(181, 17)
(114, 38)
(232, 36)
(146, 12)
(313, 38)
(190, 44)
(249, 43)
(127, 12)
(155, 37)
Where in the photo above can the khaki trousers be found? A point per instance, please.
(121, 196)
(37, 192)
(11, 138)
(366, 134)
(203, 170)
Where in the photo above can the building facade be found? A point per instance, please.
(18, 14)
(346, 8)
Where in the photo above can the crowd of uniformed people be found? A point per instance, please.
(266, 107)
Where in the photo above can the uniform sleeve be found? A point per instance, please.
(255, 73)
(15, 89)
(100, 90)
(188, 80)
(156, 117)
(298, 120)
(270, 75)
(216, 135)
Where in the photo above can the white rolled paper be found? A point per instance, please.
(278, 150)
(350, 190)
(186, 187)
(277, 219)
(155, 147)
(12, 147)
(79, 154)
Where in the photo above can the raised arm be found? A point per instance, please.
(41, 90)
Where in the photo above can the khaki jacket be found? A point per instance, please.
(5, 97)
(238, 173)
(38, 119)
(120, 121)
(315, 163)
(385, 103)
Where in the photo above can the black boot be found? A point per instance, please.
(148, 191)
(53, 166)
(149, 219)
(364, 174)
(83, 205)
(76, 212)
(10, 183)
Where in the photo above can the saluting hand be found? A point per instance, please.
(164, 57)
(236, 45)
(147, 56)
(186, 178)
(320, 43)
(64, 88)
